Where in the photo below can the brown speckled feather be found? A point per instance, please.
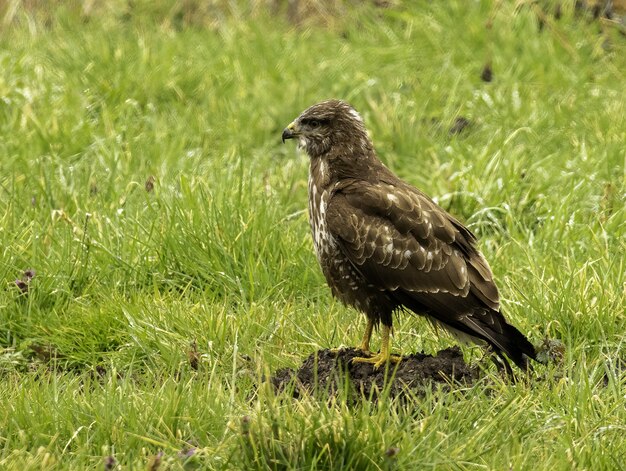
(383, 245)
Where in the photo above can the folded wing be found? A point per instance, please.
(401, 242)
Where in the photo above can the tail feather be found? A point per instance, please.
(514, 345)
(504, 338)
(479, 322)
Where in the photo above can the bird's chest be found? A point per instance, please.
(341, 276)
(323, 241)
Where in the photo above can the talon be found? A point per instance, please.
(384, 355)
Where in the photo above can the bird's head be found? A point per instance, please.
(326, 125)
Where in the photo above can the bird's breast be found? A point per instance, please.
(343, 279)
(324, 242)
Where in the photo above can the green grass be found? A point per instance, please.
(94, 359)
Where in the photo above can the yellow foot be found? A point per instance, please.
(378, 360)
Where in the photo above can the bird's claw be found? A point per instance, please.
(378, 360)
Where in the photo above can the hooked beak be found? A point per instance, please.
(290, 132)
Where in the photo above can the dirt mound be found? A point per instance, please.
(329, 370)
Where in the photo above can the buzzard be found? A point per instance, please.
(384, 246)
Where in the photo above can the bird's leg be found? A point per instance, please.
(365, 342)
(384, 355)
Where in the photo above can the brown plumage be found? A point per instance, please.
(383, 245)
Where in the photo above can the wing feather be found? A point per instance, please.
(398, 238)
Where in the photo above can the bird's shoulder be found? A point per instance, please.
(390, 200)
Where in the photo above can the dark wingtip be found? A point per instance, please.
(517, 348)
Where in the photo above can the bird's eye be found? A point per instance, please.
(314, 123)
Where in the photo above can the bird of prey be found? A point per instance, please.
(385, 246)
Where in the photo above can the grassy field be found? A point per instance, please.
(156, 257)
